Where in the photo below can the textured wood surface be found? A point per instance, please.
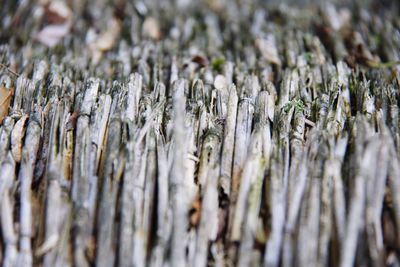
(199, 133)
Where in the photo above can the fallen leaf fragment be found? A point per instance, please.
(59, 17)
(5, 100)
(57, 12)
(201, 60)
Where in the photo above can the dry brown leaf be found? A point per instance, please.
(59, 17)
(57, 12)
(5, 100)
(201, 60)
